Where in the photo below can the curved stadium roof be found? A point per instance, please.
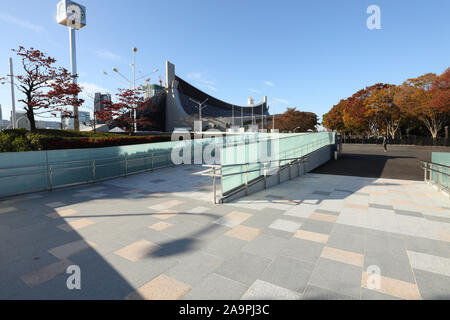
(213, 107)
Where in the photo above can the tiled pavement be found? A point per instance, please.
(158, 236)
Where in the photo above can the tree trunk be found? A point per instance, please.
(30, 116)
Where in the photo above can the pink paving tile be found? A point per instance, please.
(160, 288)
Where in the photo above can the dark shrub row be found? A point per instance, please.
(23, 140)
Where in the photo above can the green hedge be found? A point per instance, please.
(14, 140)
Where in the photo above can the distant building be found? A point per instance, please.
(43, 124)
(151, 90)
(83, 117)
(4, 124)
(23, 122)
(177, 106)
(99, 103)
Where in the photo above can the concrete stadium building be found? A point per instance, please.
(177, 107)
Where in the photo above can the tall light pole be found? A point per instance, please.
(242, 117)
(13, 98)
(232, 114)
(200, 107)
(132, 83)
(134, 86)
(73, 16)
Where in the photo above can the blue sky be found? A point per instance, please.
(307, 54)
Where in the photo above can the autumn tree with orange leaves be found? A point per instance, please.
(380, 105)
(299, 121)
(46, 88)
(422, 97)
(381, 108)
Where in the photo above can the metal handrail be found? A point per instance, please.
(158, 154)
(436, 164)
(49, 169)
(216, 169)
(220, 166)
(427, 167)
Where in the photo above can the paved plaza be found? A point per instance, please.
(370, 160)
(157, 235)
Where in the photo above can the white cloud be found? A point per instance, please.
(200, 78)
(212, 88)
(254, 90)
(21, 23)
(108, 55)
(270, 84)
(280, 101)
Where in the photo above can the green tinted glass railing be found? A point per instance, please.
(440, 174)
(253, 150)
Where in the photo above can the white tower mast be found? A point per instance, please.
(73, 16)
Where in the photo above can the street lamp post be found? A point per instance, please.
(134, 87)
(132, 83)
(232, 115)
(200, 107)
(13, 98)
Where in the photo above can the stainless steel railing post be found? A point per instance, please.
(214, 185)
(153, 162)
(439, 180)
(126, 166)
(246, 179)
(290, 165)
(265, 176)
(425, 165)
(50, 177)
(93, 170)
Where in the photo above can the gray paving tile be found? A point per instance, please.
(335, 213)
(367, 294)
(408, 213)
(384, 244)
(273, 196)
(216, 287)
(260, 220)
(187, 229)
(224, 246)
(285, 225)
(432, 286)
(428, 246)
(380, 206)
(157, 180)
(288, 273)
(243, 267)
(431, 263)
(338, 277)
(277, 233)
(344, 190)
(316, 293)
(304, 250)
(317, 226)
(265, 246)
(343, 228)
(194, 268)
(261, 290)
(322, 193)
(397, 267)
(346, 241)
(439, 219)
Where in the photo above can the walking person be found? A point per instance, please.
(385, 143)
